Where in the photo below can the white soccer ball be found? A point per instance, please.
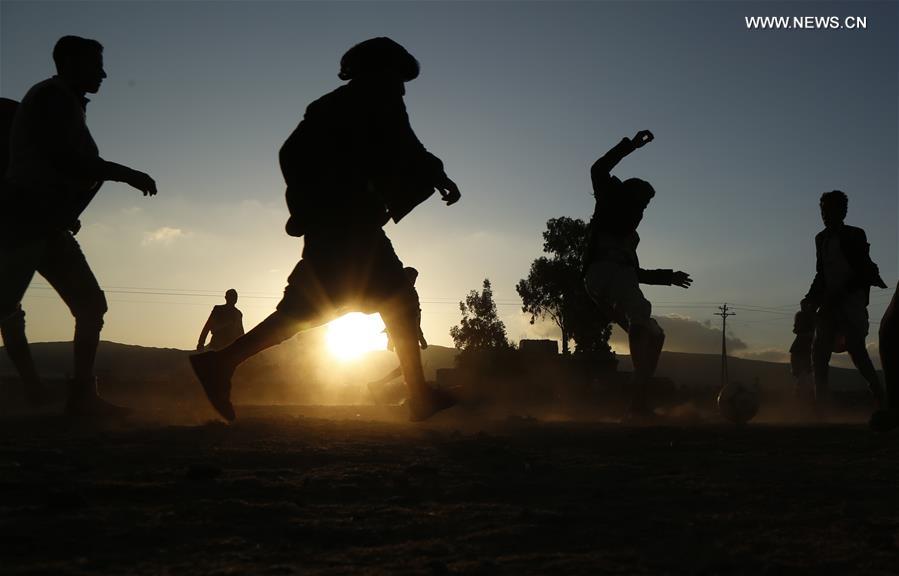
(738, 402)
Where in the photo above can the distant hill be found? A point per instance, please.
(704, 371)
(298, 371)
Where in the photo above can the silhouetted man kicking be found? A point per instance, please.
(612, 269)
(225, 322)
(888, 418)
(844, 274)
(352, 164)
(54, 171)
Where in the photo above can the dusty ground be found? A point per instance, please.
(359, 491)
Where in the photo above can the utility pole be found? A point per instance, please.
(724, 313)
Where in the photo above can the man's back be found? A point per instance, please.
(226, 324)
(354, 158)
(50, 149)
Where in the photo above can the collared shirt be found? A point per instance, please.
(54, 164)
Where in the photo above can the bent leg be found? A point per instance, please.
(391, 293)
(822, 349)
(862, 361)
(16, 344)
(401, 320)
(645, 340)
(889, 353)
(645, 336)
(66, 269)
(17, 267)
(888, 419)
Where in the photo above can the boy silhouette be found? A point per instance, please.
(352, 164)
(612, 272)
(225, 322)
(844, 274)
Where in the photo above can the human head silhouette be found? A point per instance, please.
(834, 206)
(79, 61)
(231, 297)
(378, 60)
(638, 193)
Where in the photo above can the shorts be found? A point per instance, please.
(849, 317)
(58, 258)
(614, 286)
(344, 272)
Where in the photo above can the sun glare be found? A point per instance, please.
(354, 334)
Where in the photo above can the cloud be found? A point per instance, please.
(684, 335)
(164, 236)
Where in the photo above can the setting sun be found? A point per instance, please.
(354, 334)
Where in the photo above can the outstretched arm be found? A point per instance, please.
(664, 278)
(62, 140)
(134, 178)
(601, 169)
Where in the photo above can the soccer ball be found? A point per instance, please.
(738, 403)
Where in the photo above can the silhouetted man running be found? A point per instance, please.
(612, 269)
(225, 322)
(54, 171)
(352, 164)
(844, 274)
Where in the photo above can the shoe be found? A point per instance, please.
(884, 421)
(432, 402)
(216, 381)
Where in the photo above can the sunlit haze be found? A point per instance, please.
(354, 334)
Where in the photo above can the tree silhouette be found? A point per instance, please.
(554, 289)
(480, 328)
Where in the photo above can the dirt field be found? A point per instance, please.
(357, 490)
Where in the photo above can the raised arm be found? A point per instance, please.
(600, 172)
